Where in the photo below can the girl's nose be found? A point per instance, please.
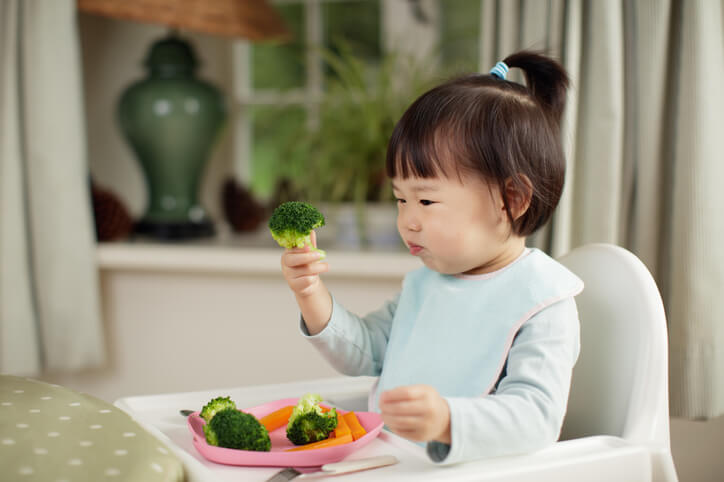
(412, 224)
(406, 220)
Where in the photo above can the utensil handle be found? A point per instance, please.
(360, 464)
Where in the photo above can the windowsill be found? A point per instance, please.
(243, 254)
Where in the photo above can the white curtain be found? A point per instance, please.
(644, 137)
(49, 300)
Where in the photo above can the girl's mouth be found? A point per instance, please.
(414, 248)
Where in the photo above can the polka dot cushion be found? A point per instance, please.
(51, 433)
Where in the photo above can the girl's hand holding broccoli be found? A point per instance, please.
(301, 269)
(416, 412)
(292, 226)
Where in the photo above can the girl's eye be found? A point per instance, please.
(426, 202)
(402, 201)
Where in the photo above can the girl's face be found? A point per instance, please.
(455, 226)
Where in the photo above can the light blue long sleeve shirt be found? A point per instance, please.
(500, 348)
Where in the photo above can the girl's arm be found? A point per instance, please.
(527, 410)
(354, 345)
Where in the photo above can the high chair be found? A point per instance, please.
(620, 382)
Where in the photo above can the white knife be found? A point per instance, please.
(336, 468)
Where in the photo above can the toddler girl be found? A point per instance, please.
(474, 356)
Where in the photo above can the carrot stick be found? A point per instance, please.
(357, 429)
(329, 442)
(277, 418)
(342, 427)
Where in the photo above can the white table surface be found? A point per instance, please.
(593, 458)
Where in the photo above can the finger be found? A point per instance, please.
(307, 270)
(406, 407)
(295, 259)
(403, 422)
(303, 283)
(414, 435)
(401, 394)
(304, 249)
(394, 395)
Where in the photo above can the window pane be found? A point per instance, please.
(272, 129)
(282, 66)
(357, 24)
(460, 27)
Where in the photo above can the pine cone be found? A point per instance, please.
(242, 211)
(112, 219)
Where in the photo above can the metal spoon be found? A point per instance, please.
(336, 468)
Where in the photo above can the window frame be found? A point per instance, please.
(399, 29)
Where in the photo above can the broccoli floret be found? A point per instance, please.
(308, 423)
(233, 429)
(216, 405)
(211, 437)
(292, 222)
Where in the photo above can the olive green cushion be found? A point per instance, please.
(51, 433)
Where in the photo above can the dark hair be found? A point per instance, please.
(494, 128)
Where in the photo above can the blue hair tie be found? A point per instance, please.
(500, 70)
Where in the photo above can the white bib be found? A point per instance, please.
(454, 333)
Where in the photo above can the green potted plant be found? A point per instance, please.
(341, 162)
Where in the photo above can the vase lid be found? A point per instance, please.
(171, 55)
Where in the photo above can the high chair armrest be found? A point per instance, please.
(593, 459)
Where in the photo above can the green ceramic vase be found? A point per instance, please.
(172, 120)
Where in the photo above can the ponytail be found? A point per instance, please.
(546, 78)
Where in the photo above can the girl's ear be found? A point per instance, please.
(518, 196)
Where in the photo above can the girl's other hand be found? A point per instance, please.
(416, 412)
(301, 268)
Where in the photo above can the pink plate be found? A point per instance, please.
(277, 457)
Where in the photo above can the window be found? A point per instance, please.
(278, 88)
(459, 35)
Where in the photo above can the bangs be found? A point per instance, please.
(428, 148)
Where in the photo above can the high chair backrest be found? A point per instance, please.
(620, 382)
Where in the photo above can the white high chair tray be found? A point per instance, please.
(600, 458)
